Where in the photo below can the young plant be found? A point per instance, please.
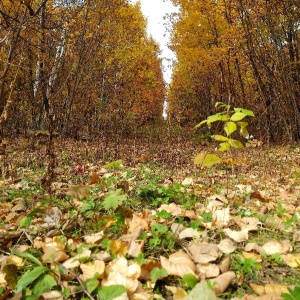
(233, 120)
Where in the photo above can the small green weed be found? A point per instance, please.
(162, 237)
(293, 294)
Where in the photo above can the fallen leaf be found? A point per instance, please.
(178, 264)
(54, 251)
(93, 238)
(189, 233)
(178, 292)
(221, 283)
(75, 260)
(292, 260)
(237, 236)
(227, 246)
(121, 272)
(280, 247)
(89, 269)
(209, 270)
(224, 265)
(204, 253)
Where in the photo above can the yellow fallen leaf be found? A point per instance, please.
(91, 268)
(178, 292)
(292, 260)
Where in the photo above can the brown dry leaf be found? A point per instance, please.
(94, 179)
(259, 195)
(204, 253)
(209, 270)
(53, 295)
(280, 247)
(178, 264)
(138, 221)
(224, 265)
(19, 206)
(178, 292)
(188, 181)
(190, 214)
(122, 273)
(221, 217)
(78, 191)
(91, 268)
(147, 268)
(189, 233)
(177, 228)
(249, 223)
(141, 294)
(52, 218)
(275, 223)
(213, 205)
(227, 246)
(292, 260)
(296, 236)
(237, 236)
(75, 261)
(93, 238)
(135, 246)
(173, 209)
(54, 250)
(254, 247)
(221, 283)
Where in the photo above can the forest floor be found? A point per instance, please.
(140, 221)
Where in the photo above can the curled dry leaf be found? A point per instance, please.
(178, 264)
(221, 217)
(54, 251)
(173, 209)
(204, 253)
(189, 233)
(237, 236)
(75, 261)
(227, 246)
(141, 294)
(137, 222)
(250, 223)
(178, 292)
(93, 238)
(122, 273)
(91, 268)
(209, 270)
(252, 255)
(254, 247)
(221, 283)
(177, 228)
(224, 265)
(134, 246)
